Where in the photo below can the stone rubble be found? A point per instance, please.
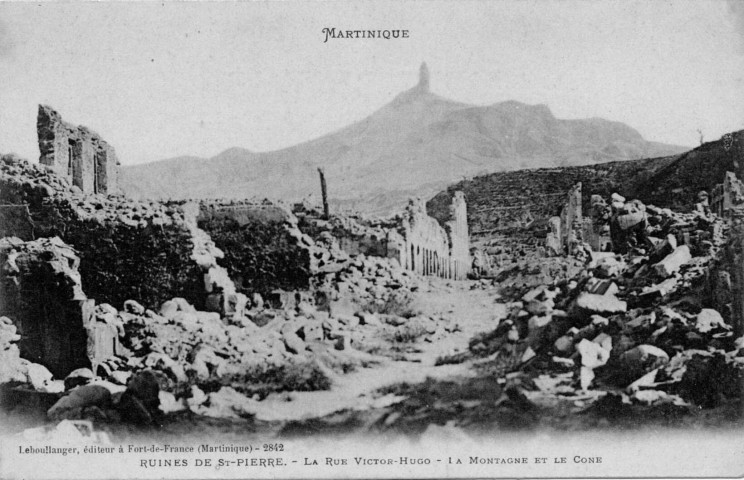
(636, 322)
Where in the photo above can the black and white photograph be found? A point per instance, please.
(371, 239)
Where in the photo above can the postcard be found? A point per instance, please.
(371, 239)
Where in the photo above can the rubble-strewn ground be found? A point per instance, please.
(641, 338)
(457, 362)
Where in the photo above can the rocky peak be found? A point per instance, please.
(423, 84)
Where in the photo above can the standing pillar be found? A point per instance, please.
(324, 192)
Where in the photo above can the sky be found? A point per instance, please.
(164, 80)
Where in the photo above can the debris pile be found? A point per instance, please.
(28, 183)
(637, 322)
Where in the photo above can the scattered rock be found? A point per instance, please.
(38, 375)
(72, 405)
(673, 262)
(81, 376)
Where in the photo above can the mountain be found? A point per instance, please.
(413, 146)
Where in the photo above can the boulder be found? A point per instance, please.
(564, 345)
(145, 386)
(37, 375)
(78, 377)
(120, 377)
(70, 406)
(673, 262)
(293, 343)
(593, 355)
(663, 248)
(134, 307)
(169, 309)
(608, 267)
(636, 362)
(169, 403)
(709, 319)
(588, 304)
(196, 398)
(601, 287)
(537, 322)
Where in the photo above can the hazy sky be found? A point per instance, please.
(159, 81)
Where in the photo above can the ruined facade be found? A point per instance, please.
(727, 196)
(567, 229)
(418, 242)
(76, 153)
(431, 248)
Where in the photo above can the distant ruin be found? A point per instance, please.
(429, 248)
(728, 196)
(77, 153)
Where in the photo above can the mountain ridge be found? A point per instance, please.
(417, 140)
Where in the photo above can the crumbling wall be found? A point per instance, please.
(566, 230)
(77, 153)
(459, 236)
(264, 250)
(426, 243)
(418, 242)
(735, 257)
(431, 248)
(727, 196)
(726, 281)
(41, 292)
(127, 249)
(571, 218)
(15, 220)
(353, 234)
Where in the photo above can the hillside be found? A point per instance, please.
(499, 201)
(415, 145)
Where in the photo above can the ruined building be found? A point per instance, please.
(429, 248)
(41, 290)
(727, 196)
(566, 229)
(418, 242)
(76, 153)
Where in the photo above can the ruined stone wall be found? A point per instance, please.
(727, 196)
(264, 250)
(734, 254)
(127, 249)
(426, 248)
(415, 240)
(355, 235)
(15, 220)
(77, 154)
(571, 218)
(429, 248)
(41, 292)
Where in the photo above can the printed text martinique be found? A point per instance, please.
(384, 34)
